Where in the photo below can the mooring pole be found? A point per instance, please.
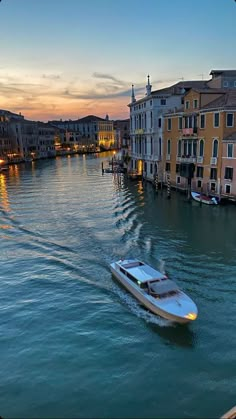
(156, 182)
(102, 168)
(168, 186)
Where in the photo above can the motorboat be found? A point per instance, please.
(231, 414)
(155, 290)
(4, 168)
(199, 197)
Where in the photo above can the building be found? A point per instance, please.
(10, 141)
(122, 133)
(223, 79)
(21, 139)
(146, 125)
(198, 146)
(90, 131)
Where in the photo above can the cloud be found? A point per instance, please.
(98, 75)
(51, 76)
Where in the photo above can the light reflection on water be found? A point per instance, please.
(76, 344)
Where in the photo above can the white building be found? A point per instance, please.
(146, 121)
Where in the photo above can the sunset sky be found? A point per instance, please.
(68, 59)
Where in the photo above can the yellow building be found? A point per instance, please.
(193, 139)
(106, 134)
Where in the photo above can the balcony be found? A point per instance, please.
(200, 159)
(213, 161)
(168, 157)
(186, 159)
(189, 132)
(139, 131)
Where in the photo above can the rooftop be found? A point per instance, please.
(226, 100)
(226, 72)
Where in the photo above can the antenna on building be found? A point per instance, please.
(201, 75)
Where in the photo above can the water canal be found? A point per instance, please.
(73, 343)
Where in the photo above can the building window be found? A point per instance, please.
(229, 173)
(202, 121)
(213, 174)
(163, 101)
(187, 104)
(216, 120)
(180, 122)
(151, 146)
(230, 150)
(145, 167)
(225, 84)
(201, 148)
(168, 147)
(179, 148)
(229, 120)
(178, 179)
(150, 102)
(159, 122)
(177, 168)
(169, 124)
(151, 168)
(151, 119)
(215, 148)
(213, 186)
(167, 167)
(195, 103)
(227, 189)
(200, 171)
(199, 183)
(160, 147)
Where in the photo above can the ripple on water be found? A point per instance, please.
(73, 342)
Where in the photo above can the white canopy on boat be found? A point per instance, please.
(145, 273)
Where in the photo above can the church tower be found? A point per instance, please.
(148, 87)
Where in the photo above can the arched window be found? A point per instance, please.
(215, 148)
(201, 148)
(151, 119)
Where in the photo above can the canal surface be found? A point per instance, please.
(73, 343)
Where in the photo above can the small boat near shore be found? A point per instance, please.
(204, 198)
(154, 290)
(4, 169)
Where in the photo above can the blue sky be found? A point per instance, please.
(67, 59)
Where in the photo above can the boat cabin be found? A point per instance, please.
(150, 280)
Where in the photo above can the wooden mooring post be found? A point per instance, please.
(168, 186)
(156, 182)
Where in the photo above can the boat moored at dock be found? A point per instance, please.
(204, 198)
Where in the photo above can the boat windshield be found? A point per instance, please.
(163, 289)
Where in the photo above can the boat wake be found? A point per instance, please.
(138, 310)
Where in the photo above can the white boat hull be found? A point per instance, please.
(145, 301)
(203, 199)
